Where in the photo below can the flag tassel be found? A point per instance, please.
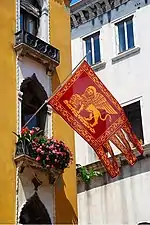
(126, 151)
(120, 141)
(132, 137)
(110, 165)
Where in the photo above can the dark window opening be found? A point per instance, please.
(34, 3)
(144, 223)
(34, 212)
(133, 113)
(28, 22)
(29, 16)
(34, 96)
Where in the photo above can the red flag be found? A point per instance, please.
(91, 110)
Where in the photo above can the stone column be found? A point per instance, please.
(20, 94)
(99, 9)
(74, 21)
(49, 122)
(44, 22)
(82, 17)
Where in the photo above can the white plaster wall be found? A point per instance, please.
(45, 191)
(119, 203)
(127, 79)
(84, 153)
(77, 51)
(123, 200)
(28, 66)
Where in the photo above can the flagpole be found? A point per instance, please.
(46, 101)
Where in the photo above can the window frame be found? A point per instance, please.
(31, 9)
(29, 12)
(140, 100)
(25, 19)
(124, 21)
(40, 118)
(91, 36)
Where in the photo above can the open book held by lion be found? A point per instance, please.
(92, 102)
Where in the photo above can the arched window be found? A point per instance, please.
(33, 97)
(144, 223)
(29, 16)
(34, 212)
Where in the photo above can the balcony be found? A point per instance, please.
(24, 158)
(28, 45)
(36, 151)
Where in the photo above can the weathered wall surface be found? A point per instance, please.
(120, 201)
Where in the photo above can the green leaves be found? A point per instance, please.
(87, 175)
(28, 135)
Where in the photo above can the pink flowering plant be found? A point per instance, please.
(49, 152)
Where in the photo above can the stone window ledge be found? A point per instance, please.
(98, 166)
(126, 54)
(99, 66)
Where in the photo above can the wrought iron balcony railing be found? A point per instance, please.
(27, 44)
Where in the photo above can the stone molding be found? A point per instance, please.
(126, 54)
(87, 10)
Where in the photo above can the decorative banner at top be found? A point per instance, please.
(91, 110)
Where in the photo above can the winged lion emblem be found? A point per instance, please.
(93, 102)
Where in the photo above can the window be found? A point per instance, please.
(33, 97)
(125, 34)
(144, 223)
(133, 113)
(29, 16)
(34, 212)
(28, 22)
(92, 44)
